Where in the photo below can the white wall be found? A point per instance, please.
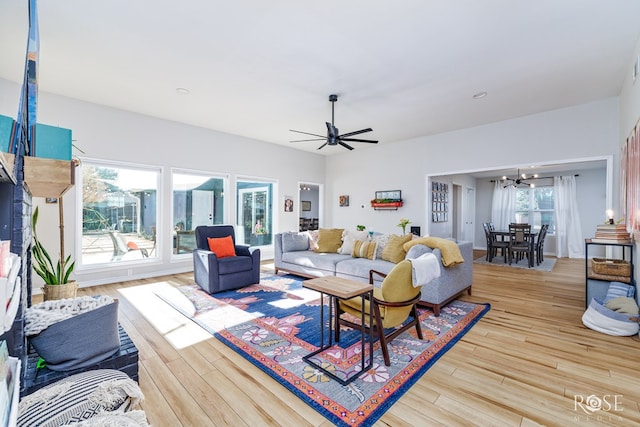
(107, 133)
(583, 131)
(630, 98)
(629, 117)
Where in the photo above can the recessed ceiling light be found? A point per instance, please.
(182, 91)
(479, 95)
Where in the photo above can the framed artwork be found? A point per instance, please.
(439, 202)
(306, 205)
(51, 200)
(288, 204)
(344, 200)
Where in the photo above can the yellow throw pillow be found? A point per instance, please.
(394, 251)
(364, 249)
(329, 240)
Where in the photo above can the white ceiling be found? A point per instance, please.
(259, 68)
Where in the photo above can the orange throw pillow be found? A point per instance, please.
(222, 246)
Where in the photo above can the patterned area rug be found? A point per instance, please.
(275, 323)
(546, 265)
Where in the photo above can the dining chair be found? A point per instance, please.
(493, 243)
(539, 247)
(521, 243)
(487, 235)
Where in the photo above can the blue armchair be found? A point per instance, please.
(215, 274)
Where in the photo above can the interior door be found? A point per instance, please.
(469, 210)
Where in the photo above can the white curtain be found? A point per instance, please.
(569, 242)
(503, 206)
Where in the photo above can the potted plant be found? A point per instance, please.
(56, 276)
(403, 224)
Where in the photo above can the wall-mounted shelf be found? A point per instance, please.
(387, 200)
(48, 177)
(386, 205)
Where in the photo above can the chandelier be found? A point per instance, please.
(520, 179)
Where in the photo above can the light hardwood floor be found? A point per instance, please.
(523, 364)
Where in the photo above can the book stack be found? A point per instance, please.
(611, 233)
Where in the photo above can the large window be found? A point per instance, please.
(119, 214)
(536, 207)
(197, 200)
(254, 222)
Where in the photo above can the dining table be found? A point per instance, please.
(505, 236)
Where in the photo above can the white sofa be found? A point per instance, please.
(292, 254)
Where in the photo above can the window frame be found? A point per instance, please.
(79, 193)
(531, 211)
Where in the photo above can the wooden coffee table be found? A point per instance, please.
(340, 288)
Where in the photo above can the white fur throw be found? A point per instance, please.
(40, 316)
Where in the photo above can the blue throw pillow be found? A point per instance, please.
(619, 289)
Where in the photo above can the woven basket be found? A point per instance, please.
(55, 292)
(614, 267)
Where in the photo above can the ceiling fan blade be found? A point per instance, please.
(307, 133)
(322, 145)
(358, 132)
(305, 140)
(370, 141)
(345, 145)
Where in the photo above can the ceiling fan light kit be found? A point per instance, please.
(333, 134)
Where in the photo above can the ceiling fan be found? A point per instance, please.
(333, 135)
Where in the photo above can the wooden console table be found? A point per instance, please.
(340, 288)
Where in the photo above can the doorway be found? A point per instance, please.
(309, 207)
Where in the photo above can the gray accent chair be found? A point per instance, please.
(215, 274)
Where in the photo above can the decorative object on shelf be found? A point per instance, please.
(612, 233)
(306, 205)
(439, 202)
(55, 276)
(360, 227)
(387, 200)
(415, 230)
(344, 200)
(403, 224)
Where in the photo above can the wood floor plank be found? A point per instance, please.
(522, 364)
(158, 410)
(214, 405)
(177, 396)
